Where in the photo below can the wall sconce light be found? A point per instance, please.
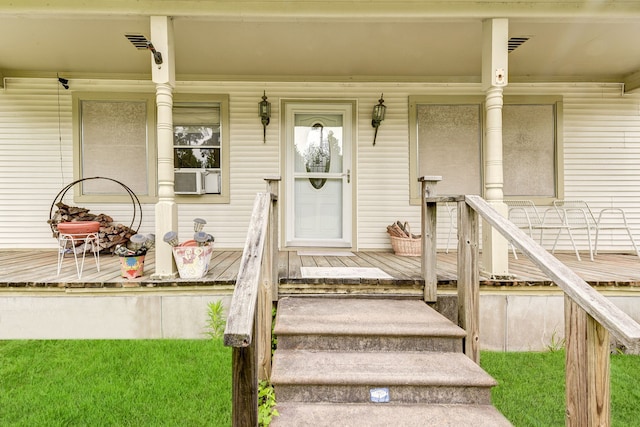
(157, 56)
(378, 116)
(264, 111)
(63, 82)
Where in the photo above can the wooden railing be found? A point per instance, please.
(248, 328)
(589, 316)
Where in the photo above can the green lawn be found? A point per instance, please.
(115, 383)
(531, 387)
(188, 383)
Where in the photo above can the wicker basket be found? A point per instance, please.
(402, 241)
(405, 246)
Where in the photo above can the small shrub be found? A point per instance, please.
(274, 338)
(266, 404)
(556, 343)
(216, 321)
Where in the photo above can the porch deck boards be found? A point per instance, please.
(37, 268)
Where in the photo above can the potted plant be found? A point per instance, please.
(192, 256)
(132, 255)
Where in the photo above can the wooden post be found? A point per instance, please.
(429, 237)
(587, 368)
(273, 234)
(468, 280)
(263, 335)
(268, 291)
(244, 398)
(243, 329)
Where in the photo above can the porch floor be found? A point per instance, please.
(384, 272)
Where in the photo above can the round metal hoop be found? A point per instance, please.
(134, 201)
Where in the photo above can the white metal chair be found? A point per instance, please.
(78, 243)
(578, 215)
(452, 210)
(525, 215)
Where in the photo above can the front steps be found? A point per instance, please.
(375, 362)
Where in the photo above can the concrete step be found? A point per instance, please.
(409, 377)
(343, 324)
(385, 414)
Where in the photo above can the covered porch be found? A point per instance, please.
(311, 272)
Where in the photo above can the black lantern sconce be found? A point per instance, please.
(264, 111)
(378, 116)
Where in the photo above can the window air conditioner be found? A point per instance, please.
(189, 181)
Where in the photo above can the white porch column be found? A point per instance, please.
(166, 209)
(495, 249)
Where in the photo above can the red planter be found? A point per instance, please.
(79, 228)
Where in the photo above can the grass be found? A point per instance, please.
(188, 383)
(115, 383)
(531, 387)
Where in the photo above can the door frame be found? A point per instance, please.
(286, 172)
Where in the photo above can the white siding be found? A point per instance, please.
(601, 153)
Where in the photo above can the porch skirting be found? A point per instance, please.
(525, 320)
(518, 313)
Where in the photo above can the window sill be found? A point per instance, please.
(201, 199)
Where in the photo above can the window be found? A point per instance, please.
(200, 148)
(114, 137)
(446, 135)
(531, 156)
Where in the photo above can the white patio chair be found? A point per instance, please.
(576, 215)
(525, 215)
(452, 210)
(579, 215)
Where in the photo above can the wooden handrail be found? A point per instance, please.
(589, 316)
(248, 328)
(621, 325)
(240, 320)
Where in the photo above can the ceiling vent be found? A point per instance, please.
(141, 42)
(516, 42)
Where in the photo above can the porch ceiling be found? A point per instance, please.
(411, 48)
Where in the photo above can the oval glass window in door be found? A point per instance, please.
(318, 155)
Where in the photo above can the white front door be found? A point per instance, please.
(318, 174)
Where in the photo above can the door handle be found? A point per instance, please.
(348, 176)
